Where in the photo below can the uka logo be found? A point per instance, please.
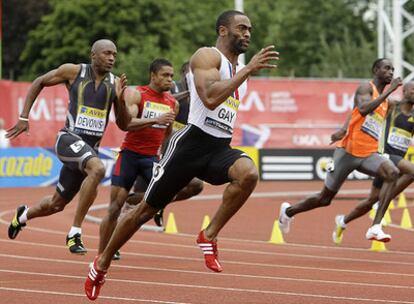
(340, 106)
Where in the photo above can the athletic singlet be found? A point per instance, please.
(182, 116)
(153, 104)
(397, 134)
(220, 121)
(363, 133)
(88, 110)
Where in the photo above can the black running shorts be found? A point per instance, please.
(73, 152)
(190, 153)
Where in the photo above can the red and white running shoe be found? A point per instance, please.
(210, 252)
(375, 233)
(94, 281)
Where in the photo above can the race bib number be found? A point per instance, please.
(399, 139)
(91, 119)
(154, 110)
(373, 125)
(224, 116)
(77, 146)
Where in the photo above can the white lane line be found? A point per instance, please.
(57, 293)
(276, 254)
(336, 248)
(204, 273)
(266, 265)
(232, 289)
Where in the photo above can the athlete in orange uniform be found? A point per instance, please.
(358, 150)
(395, 140)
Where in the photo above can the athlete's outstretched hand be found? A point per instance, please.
(120, 87)
(166, 118)
(262, 58)
(20, 127)
(338, 135)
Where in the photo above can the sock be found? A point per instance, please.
(376, 227)
(342, 222)
(74, 230)
(23, 218)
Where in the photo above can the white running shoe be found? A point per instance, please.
(284, 219)
(337, 234)
(375, 233)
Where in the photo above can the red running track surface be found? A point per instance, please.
(37, 268)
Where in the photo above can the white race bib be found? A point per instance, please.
(224, 116)
(399, 139)
(154, 110)
(91, 119)
(373, 125)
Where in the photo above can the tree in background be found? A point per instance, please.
(142, 30)
(318, 38)
(19, 17)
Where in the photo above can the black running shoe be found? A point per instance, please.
(15, 225)
(75, 244)
(158, 218)
(117, 256)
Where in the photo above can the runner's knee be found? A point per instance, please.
(324, 201)
(249, 178)
(392, 174)
(57, 206)
(97, 172)
(114, 210)
(195, 187)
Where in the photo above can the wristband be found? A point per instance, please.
(23, 118)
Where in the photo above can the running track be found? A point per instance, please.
(37, 268)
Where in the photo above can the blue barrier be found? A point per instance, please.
(37, 167)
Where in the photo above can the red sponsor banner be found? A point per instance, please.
(47, 116)
(275, 113)
(279, 113)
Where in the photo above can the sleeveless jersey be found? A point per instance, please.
(397, 134)
(184, 103)
(153, 104)
(363, 133)
(89, 108)
(220, 121)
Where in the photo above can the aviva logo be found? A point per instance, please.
(232, 103)
(92, 112)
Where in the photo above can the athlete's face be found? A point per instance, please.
(104, 57)
(163, 78)
(408, 90)
(239, 32)
(385, 71)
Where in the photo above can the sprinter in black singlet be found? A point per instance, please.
(394, 143)
(93, 89)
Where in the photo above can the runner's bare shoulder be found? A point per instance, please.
(205, 57)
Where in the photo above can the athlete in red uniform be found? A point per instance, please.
(153, 110)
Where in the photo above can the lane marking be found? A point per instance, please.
(233, 289)
(277, 254)
(57, 293)
(203, 273)
(265, 265)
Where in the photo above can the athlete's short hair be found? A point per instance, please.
(225, 18)
(377, 64)
(157, 64)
